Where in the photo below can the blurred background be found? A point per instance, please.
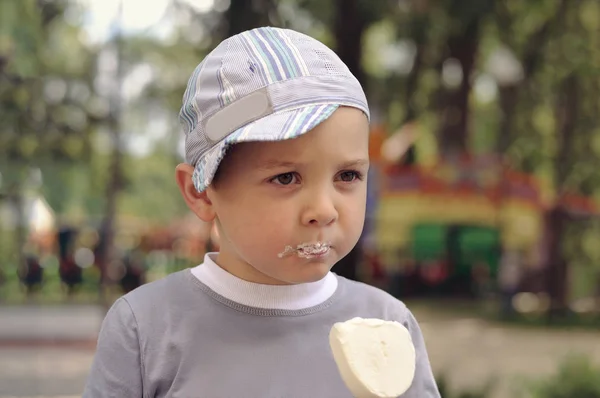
(483, 210)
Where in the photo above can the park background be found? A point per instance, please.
(483, 195)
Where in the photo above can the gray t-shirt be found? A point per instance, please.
(177, 338)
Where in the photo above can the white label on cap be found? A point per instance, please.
(237, 114)
(376, 358)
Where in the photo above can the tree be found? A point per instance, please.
(557, 58)
(244, 15)
(465, 20)
(46, 96)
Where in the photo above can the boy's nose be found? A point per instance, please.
(320, 211)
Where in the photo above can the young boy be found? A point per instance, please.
(277, 156)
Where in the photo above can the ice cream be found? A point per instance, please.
(306, 250)
(375, 358)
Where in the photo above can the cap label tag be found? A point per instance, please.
(237, 114)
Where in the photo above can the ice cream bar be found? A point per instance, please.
(375, 358)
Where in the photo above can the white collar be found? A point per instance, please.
(285, 297)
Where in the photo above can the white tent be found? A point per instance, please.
(38, 215)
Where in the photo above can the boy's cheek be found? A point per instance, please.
(353, 207)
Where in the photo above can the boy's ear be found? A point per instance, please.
(198, 202)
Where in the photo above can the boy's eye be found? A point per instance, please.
(349, 176)
(284, 179)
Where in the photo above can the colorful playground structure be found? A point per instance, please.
(453, 220)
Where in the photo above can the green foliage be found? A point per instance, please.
(447, 392)
(152, 193)
(46, 85)
(576, 377)
(19, 40)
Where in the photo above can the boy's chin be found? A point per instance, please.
(315, 273)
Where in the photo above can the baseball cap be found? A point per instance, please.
(265, 84)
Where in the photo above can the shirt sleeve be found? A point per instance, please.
(117, 366)
(424, 384)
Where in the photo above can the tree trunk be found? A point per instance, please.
(454, 131)
(105, 253)
(555, 221)
(107, 229)
(349, 27)
(508, 104)
(412, 83)
(21, 228)
(557, 266)
(243, 15)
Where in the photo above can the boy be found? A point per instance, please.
(277, 156)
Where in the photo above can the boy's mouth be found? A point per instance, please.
(307, 250)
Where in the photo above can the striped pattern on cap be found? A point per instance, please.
(266, 84)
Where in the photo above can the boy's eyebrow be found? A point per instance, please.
(354, 163)
(276, 164)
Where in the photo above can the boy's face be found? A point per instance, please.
(270, 195)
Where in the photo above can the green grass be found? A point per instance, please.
(489, 310)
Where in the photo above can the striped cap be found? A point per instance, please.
(266, 84)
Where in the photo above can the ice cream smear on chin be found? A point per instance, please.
(375, 358)
(306, 250)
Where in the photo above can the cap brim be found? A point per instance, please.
(278, 126)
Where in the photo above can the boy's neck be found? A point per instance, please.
(286, 297)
